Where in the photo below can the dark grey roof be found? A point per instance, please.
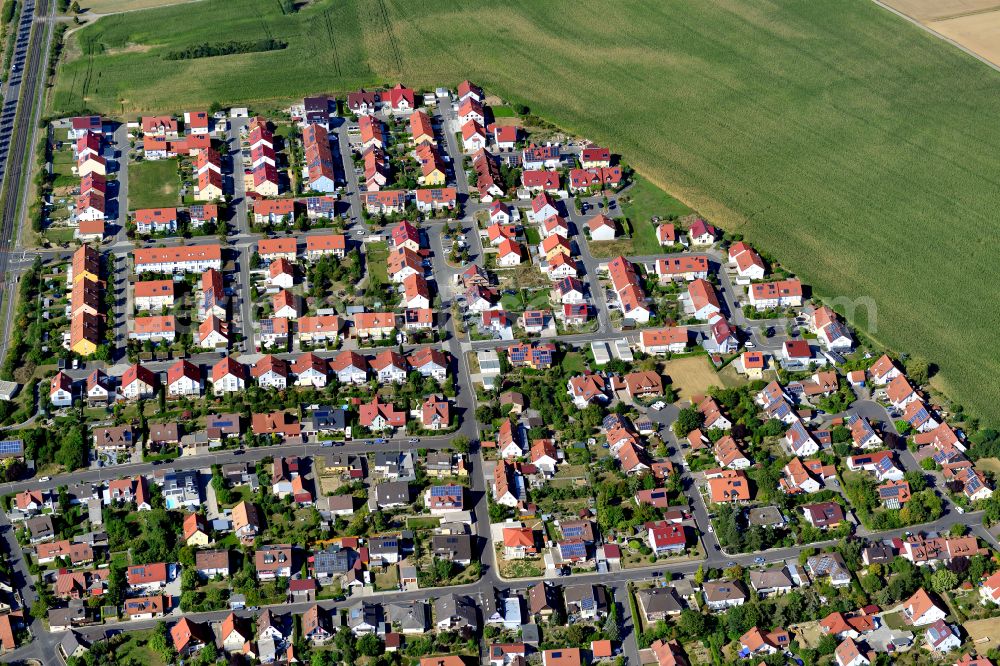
(456, 547)
(71, 642)
(460, 608)
(409, 615)
(660, 600)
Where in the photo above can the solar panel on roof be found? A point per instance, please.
(11, 446)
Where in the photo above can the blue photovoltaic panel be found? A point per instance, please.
(9, 446)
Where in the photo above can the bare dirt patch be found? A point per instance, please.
(131, 48)
(692, 375)
(984, 633)
(504, 122)
(807, 633)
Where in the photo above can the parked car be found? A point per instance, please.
(658, 405)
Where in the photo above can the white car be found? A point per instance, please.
(710, 528)
(657, 406)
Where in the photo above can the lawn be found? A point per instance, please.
(59, 234)
(377, 255)
(387, 578)
(648, 201)
(531, 236)
(503, 112)
(989, 465)
(136, 648)
(153, 184)
(894, 621)
(512, 302)
(422, 523)
(573, 363)
(62, 166)
(828, 133)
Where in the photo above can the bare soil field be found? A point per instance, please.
(974, 24)
(984, 633)
(980, 33)
(933, 10)
(692, 375)
(807, 633)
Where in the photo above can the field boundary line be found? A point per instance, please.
(937, 34)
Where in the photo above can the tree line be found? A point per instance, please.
(231, 47)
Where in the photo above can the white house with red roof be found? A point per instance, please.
(666, 234)
(702, 233)
(748, 264)
(271, 372)
(509, 253)
(502, 214)
(61, 390)
(543, 456)
(505, 137)
(138, 382)
(672, 339)
(702, 300)
(228, 376)
(470, 109)
(883, 371)
(183, 378)
(602, 228)
(435, 413)
(666, 538)
(416, 292)
(390, 367)
(989, 591)
(429, 362)
(542, 207)
(473, 136)
(920, 610)
(399, 99)
(555, 225)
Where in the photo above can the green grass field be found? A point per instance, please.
(648, 201)
(153, 184)
(829, 133)
(376, 256)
